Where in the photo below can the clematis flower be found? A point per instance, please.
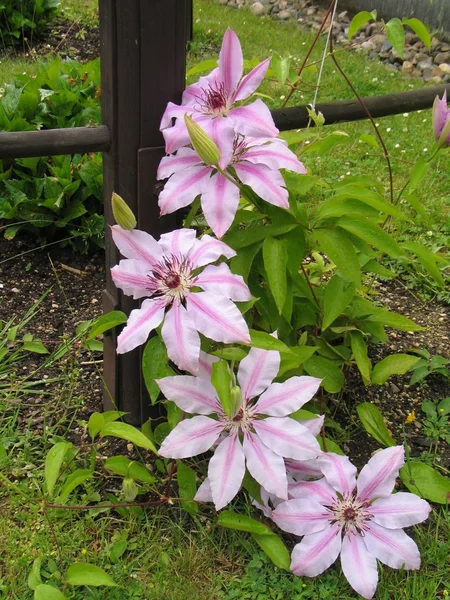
(257, 436)
(360, 519)
(255, 161)
(169, 274)
(441, 121)
(211, 100)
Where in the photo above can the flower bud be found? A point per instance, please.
(123, 215)
(236, 400)
(441, 121)
(202, 143)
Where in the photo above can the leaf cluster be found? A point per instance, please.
(22, 19)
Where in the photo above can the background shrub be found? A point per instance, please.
(20, 19)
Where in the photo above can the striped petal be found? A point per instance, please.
(392, 547)
(220, 200)
(301, 470)
(205, 363)
(191, 394)
(221, 280)
(204, 492)
(275, 156)
(265, 466)
(137, 244)
(301, 517)
(251, 81)
(191, 437)
(182, 188)
(257, 371)
(173, 111)
(399, 510)
(338, 471)
(319, 491)
(316, 552)
(268, 184)
(231, 62)
(178, 242)
(140, 322)
(181, 339)
(359, 566)
(131, 276)
(287, 438)
(176, 136)
(217, 318)
(254, 120)
(226, 471)
(184, 158)
(377, 478)
(283, 399)
(208, 250)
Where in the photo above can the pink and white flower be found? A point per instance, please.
(211, 100)
(360, 519)
(169, 274)
(441, 121)
(256, 162)
(257, 436)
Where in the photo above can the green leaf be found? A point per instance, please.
(338, 296)
(426, 482)
(275, 258)
(428, 260)
(280, 67)
(396, 35)
(48, 592)
(369, 231)
(323, 146)
(339, 249)
(155, 365)
(363, 194)
(36, 347)
(296, 357)
(359, 20)
(395, 364)
(122, 465)
(260, 339)
(252, 486)
(222, 382)
(412, 199)
(232, 520)
(86, 574)
(53, 462)
(187, 487)
(329, 446)
(418, 173)
(332, 376)
(95, 424)
(129, 433)
(275, 549)
(74, 480)
(251, 235)
(242, 262)
(202, 66)
(359, 349)
(373, 423)
(420, 29)
(231, 353)
(107, 322)
(34, 576)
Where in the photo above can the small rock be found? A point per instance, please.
(258, 9)
(407, 66)
(427, 74)
(94, 301)
(444, 68)
(442, 57)
(283, 15)
(426, 63)
(15, 291)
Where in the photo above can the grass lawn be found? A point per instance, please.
(163, 554)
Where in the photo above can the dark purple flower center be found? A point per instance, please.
(214, 101)
(171, 279)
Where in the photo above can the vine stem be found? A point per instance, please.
(162, 500)
(309, 284)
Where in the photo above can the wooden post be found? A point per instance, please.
(143, 56)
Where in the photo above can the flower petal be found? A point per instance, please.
(191, 394)
(287, 438)
(221, 280)
(265, 466)
(359, 566)
(399, 510)
(176, 136)
(251, 81)
(254, 119)
(131, 276)
(137, 244)
(208, 250)
(392, 547)
(320, 491)
(181, 339)
(377, 478)
(184, 158)
(222, 133)
(314, 425)
(338, 471)
(440, 115)
(301, 517)
(204, 492)
(217, 318)
(178, 242)
(267, 183)
(220, 200)
(182, 188)
(205, 363)
(231, 62)
(283, 399)
(173, 111)
(191, 437)
(140, 322)
(257, 371)
(226, 471)
(302, 469)
(274, 155)
(316, 552)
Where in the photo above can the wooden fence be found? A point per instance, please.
(143, 56)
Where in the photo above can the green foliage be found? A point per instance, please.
(25, 19)
(59, 197)
(373, 423)
(426, 482)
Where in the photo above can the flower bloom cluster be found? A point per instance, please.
(305, 491)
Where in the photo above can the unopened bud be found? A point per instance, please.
(236, 400)
(123, 215)
(205, 146)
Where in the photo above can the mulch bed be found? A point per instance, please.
(76, 283)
